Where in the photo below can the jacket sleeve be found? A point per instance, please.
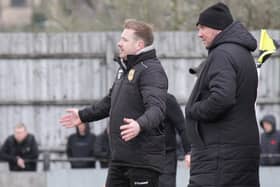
(97, 111)
(175, 115)
(153, 87)
(5, 152)
(222, 89)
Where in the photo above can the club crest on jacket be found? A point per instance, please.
(131, 74)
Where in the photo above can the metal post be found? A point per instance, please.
(46, 161)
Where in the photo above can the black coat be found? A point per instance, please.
(174, 122)
(79, 146)
(139, 92)
(27, 150)
(220, 114)
(270, 143)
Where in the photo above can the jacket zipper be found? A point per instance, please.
(118, 92)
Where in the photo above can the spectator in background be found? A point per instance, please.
(20, 150)
(81, 145)
(102, 149)
(270, 141)
(174, 121)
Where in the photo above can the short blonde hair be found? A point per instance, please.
(142, 30)
(20, 125)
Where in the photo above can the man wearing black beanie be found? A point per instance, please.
(220, 113)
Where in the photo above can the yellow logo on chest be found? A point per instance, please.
(131, 74)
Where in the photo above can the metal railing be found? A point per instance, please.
(46, 159)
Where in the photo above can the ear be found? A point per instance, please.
(141, 44)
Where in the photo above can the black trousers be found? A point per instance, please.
(123, 176)
(168, 177)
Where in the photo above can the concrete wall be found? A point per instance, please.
(269, 177)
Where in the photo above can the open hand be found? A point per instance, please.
(71, 119)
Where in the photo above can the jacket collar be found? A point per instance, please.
(23, 141)
(146, 53)
(146, 49)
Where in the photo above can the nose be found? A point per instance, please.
(119, 44)
(199, 34)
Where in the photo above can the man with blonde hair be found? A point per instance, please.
(136, 107)
(20, 150)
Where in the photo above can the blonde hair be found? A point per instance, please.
(142, 30)
(20, 125)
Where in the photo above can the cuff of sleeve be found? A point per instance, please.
(142, 121)
(82, 115)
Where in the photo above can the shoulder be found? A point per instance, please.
(31, 136)
(221, 57)
(152, 68)
(231, 47)
(152, 64)
(10, 139)
(222, 51)
(72, 136)
(92, 136)
(232, 51)
(278, 133)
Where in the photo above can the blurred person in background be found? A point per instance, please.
(174, 122)
(102, 149)
(81, 145)
(20, 150)
(270, 142)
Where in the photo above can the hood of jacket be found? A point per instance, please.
(235, 33)
(271, 119)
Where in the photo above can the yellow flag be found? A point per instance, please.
(266, 42)
(267, 47)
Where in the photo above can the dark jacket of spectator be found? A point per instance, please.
(174, 122)
(102, 149)
(27, 150)
(81, 146)
(270, 143)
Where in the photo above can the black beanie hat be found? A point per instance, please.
(217, 16)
